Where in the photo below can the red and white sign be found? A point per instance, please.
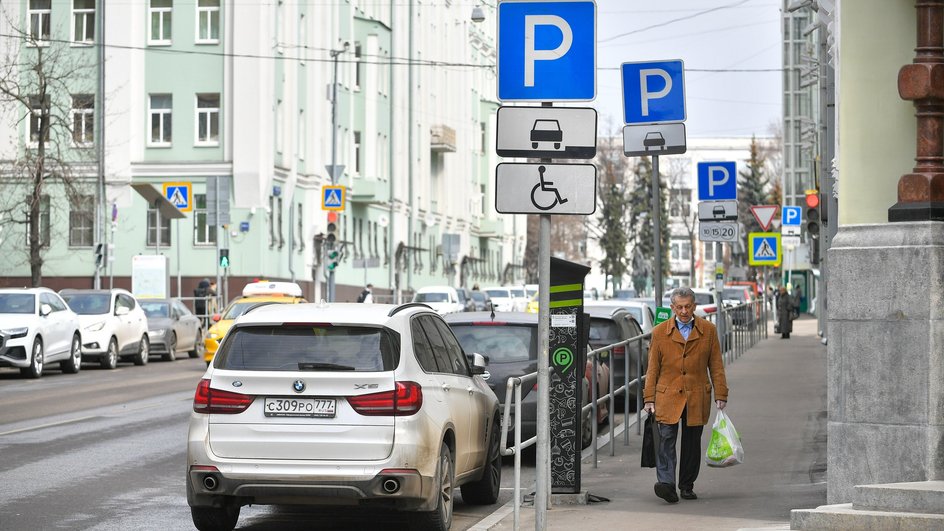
(764, 214)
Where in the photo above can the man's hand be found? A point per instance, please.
(649, 408)
(721, 404)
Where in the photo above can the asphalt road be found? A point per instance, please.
(105, 450)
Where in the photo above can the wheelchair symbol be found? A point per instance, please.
(546, 186)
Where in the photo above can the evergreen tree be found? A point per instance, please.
(753, 189)
(612, 228)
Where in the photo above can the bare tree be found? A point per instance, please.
(48, 89)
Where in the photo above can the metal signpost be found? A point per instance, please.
(718, 215)
(546, 52)
(654, 109)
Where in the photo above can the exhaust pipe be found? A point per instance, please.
(210, 483)
(391, 486)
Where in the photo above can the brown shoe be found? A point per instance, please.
(688, 494)
(666, 491)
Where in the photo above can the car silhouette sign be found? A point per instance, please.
(717, 211)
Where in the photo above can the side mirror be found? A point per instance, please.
(216, 317)
(479, 363)
(122, 310)
(45, 310)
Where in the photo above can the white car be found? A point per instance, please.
(503, 300)
(113, 325)
(443, 299)
(638, 309)
(38, 328)
(342, 404)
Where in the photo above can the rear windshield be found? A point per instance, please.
(704, 298)
(156, 309)
(734, 294)
(501, 343)
(17, 303)
(89, 303)
(518, 293)
(431, 297)
(309, 348)
(603, 330)
(478, 296)
(498, 293)
(624, 293)
(238, 308)
(635, 312)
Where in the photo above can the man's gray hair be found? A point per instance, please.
(683, 292)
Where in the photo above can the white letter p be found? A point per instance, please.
(531, 54)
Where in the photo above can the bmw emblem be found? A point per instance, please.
(237, 383)
(298, 386)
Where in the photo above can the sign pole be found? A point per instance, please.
(657, 224)
(543, 450)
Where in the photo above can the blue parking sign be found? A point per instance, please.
(790, 215)
(547, 50)
(653, 92)
(717, 181)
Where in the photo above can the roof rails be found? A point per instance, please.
(408, 305)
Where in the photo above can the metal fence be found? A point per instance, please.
(739, 328)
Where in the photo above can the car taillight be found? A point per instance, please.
(405, 399)
(619, 352)
(208, 400)
(711, 309)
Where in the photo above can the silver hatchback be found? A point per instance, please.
(342, 404)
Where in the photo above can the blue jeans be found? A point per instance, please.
(690, 458)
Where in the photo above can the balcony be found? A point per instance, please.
(442, 139)
(366, 191)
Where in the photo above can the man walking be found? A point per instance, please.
(684, 351)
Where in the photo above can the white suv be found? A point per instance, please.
(443, 299)
(113, 325)
(363, 404)
(36, 328)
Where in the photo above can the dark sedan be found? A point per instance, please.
(172, 328)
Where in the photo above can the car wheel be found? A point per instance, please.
(440, 519)
(485, 490)
(198, 346)
(110, 359)
(35, 370)
(215, 518)
(171, 354)
(74, 363)
(144, 351)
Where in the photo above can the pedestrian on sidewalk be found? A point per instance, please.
(785, 313)
(683, 352)
(367, 295)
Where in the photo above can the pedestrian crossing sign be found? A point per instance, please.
(180, 194)
(332, 198)
(765, 248)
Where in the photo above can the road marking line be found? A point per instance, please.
(51, 424)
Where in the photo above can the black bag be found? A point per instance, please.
(363, 296)
(650, 443)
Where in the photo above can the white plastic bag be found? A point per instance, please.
(725, 448)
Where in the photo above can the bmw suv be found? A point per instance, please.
(340, 404)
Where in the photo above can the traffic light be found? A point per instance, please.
(331, 239)
(224, 258)
(812, 222)
(101, 254)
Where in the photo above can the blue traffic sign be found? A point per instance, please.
(717, 181)
(765, 248)
(180, 194)
(332, 198)
(653, 92)
(791, 215)
(547, 51)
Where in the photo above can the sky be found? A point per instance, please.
(713, 35)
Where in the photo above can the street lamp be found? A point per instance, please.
(334, 143)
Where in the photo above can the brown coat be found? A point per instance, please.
(678, 372)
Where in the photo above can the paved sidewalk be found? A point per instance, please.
(778, 404)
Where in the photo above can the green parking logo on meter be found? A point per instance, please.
(563, 358)
(663, 314)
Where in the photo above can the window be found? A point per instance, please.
(152, 228)
(279, 125)
(302, 135)
(443, 362)
(278, 203)
(82, 221)
(159, 12)
(203, 233)
(357, 66)
(83, 119)
(300, 227)
(83, 21)
(483, 138)
(271, 216)
(39, 14)
(208, 119)
(159, 108)
(357, 152)
(38, 107)
(43, 220)
(208, 21)
(710, 252)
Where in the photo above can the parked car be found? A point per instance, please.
(510, 342)
(502, 298)
(611, 325)
(704, 299)
(443, 299)
(641, 312)
(38, 328)
(737, 296)
(341, 404)
(624, 294)
(114, 327)
(254, 294)
(481, 301)
(465, 299)
(521, 298)
(172, 328)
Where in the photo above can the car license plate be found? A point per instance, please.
(300, 407)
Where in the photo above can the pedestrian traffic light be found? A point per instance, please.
(812, 223)
(224, 258)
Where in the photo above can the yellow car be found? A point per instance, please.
(533, 304)
(253, 294)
